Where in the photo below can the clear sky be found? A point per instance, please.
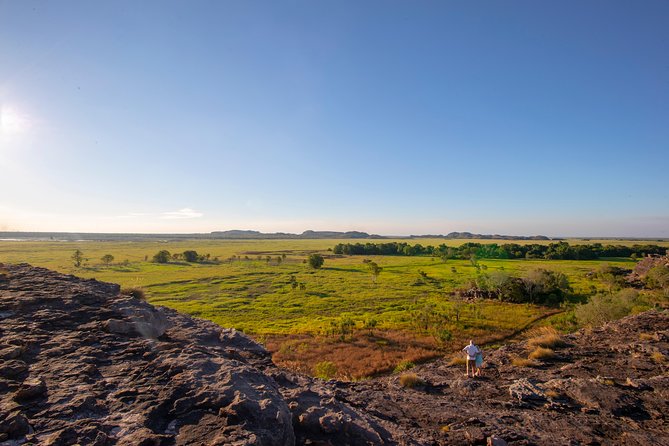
(392, 117)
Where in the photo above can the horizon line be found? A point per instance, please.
(493, 236)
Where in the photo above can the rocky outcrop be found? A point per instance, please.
(81, 363)
(608, 385)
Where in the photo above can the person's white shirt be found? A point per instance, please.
(471, 351)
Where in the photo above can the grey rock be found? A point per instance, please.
(527, 390)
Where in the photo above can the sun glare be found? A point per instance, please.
(12, 122)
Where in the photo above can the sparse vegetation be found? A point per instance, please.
(542, 354)
(325, 370)
(457, 360)
(411, 380)
(658, 357)
(518, 361)
(77, 258)
(403, 366)
(546, 337)
(552, 394)
(4, 274)
(136, 292)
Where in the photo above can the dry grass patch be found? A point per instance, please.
(658, 357)
(647, 336)
(356, 358)
(517, 361)
(542, 354)
(457, 360)
(546, 337)
(410, 380)
(136, 292)
(552, 394)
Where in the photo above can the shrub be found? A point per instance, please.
(411, 380)
(546, 337)
(658, 277)
(325, 370)
(136, 292)
(107, 259)
(191, 256)
(4, 275)
(162, 256)
(658, 357)
(404, 365)
(542, 353)
(517, 361)
(603, 308)
(316, 261)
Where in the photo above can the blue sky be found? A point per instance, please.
(516, 117)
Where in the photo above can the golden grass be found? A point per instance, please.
(410, 380)
(542, 353)
(136, 292)
(457, 360)
(517, 361)
(552, 394)
(658, 357)
(445, 428)
(546, 337)
(646, 336)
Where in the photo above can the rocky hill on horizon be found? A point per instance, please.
(82, 363)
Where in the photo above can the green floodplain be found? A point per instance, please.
(268, 290)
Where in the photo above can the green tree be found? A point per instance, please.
(107, 259)
(316, 261)
(374, 269)
(162, 256)
(77, 258)
(190, 256)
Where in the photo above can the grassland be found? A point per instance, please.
(256, 296)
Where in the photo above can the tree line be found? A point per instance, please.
(552, 251)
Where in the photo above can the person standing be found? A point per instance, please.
(479, 363)
(471, 350)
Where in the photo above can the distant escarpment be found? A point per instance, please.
(82, 363)
(237, 234)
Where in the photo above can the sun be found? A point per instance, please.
(12, 122)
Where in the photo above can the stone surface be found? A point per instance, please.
(82, 364)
